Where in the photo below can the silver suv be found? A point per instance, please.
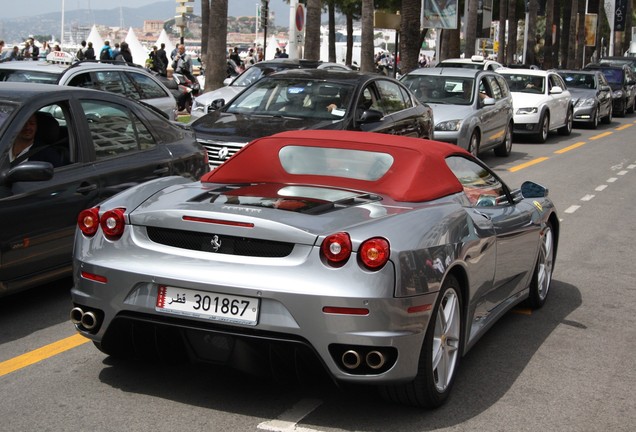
(128, 80)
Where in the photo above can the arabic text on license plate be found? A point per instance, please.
(201, 304)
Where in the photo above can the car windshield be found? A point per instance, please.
(251, 75)
(287, 97)
(578, 80)
(525, 83)
(614, 76)
(353, 164)
(441, 89)
(28, 76)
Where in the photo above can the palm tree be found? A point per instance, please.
(331, 8)
(503, 15)
(205, 21)
(533, 8)
(470, 32)
(366, 49)
(216, 65)
(352, 10)
(411, 37)
(511, 53)
(312, 30)
(547, 47)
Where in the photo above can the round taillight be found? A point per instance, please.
(88, 221)
(336, 248)
(112, 223)
(374, 253)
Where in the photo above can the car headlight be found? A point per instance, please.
(585, 102)
(618, 94)
(528, 110)
(448, 126)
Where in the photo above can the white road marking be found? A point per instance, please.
(611, 180)
(587, 197)
(288, 420)
(572, 209)
(632, 166)
(601, 188)
(622, 172)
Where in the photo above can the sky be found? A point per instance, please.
(27, 7)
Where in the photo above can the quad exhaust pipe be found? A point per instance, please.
(85, 319)
(352, 359)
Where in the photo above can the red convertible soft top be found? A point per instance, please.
(419, 171)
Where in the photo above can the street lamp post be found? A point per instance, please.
(180, 19)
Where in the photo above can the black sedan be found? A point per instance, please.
(63, 149)
(312, 99)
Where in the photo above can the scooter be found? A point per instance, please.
(187, 89)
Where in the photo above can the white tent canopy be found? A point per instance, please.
(97, 40)
(163, 38)
(139, 53)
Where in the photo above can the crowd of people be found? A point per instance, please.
(30, 51)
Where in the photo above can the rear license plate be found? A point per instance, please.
(202, 304)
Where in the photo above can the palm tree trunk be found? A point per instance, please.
(549, 21)
(571, 58)
(366, 49)
(410, 43)
(470, 32)
(503, 16)
(332, 30)
(511, 54)
(205, 21)
(216, 68)
(533, 8)
(312, 31)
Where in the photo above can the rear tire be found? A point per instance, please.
(608, 119)
(440, 355)
(566, 129)
(473, 144)
(597, 118)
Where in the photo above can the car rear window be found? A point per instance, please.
(353, 164)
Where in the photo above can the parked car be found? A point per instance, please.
(104, 143)
(312, 99)
(233, 86)
(474, 62)
(623, 83)
(591, 96)
(619, 61)
(471, 107)
(383, 258)
(541, 102)
(128, 80)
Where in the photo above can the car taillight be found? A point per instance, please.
(374, 253)
(88, 221)
(112, 223)
(336, 248)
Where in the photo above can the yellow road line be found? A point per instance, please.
(625, 126)
(603, 135)
(522, 311)
(37, 355)
(527, 164)
(572, 147)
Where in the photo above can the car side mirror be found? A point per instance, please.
(488, 101)
(227, 81)
(28, 171)
(605, 88)
(533, 190)
(556, 90)
(370, 116)
(216, 104)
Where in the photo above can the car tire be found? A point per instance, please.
(608, 118)
(566, 129)
(504, 149)
(440, 354)
(544, 128)
(597, 118)
(473, 144)
(542, 277)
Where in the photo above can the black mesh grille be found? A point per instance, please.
(223, 244)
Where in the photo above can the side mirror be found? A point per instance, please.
(27, 172)
(370, 116)
(227, 81)
(533, 190)
(488, 101)
(556, 90)
(216, 104)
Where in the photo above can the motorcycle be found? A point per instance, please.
(188, 88)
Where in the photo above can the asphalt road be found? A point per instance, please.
(566, 367)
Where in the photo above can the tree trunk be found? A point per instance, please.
(366, 49)
(410, 43)
(533, 8)
(571, 58)
(205, 21)
(580, 36)
(349, 40)
(312, 30)
(547, 47)
(470, 31)
(511, 52)
(503, 16)
(332, 30)
(216, 68)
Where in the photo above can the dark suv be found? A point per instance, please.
(622, 80)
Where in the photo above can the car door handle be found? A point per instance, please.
(86, 187)
(160, 171)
